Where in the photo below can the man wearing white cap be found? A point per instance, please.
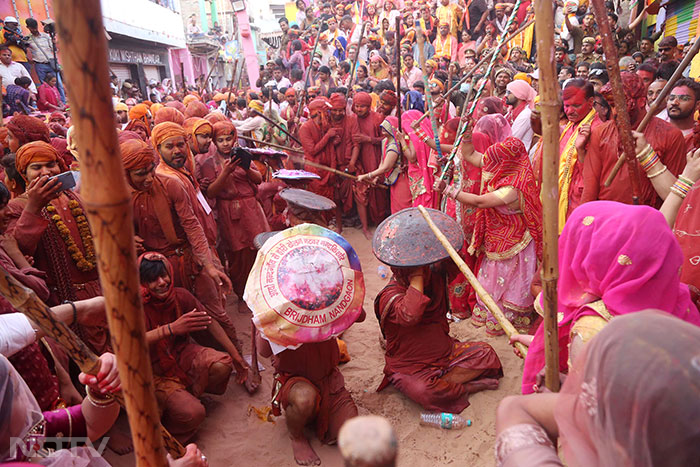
(11, 36)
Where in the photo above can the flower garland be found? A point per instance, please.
(86, 262)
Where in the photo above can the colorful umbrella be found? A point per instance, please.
(306, 286)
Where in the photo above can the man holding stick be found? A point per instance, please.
(603, 151)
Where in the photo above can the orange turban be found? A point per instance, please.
(133, 125)
(362, 98)
(201, 126)
(155, 108)
(214, 117)
(139, 111)
(189, 98)
(168, 114)
(27, 129)
(196, 109)
(136, 154)
(36, 151)
(164, 131)
(177, 105)
(225, 128)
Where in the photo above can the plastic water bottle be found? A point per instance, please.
(446, 421)
(382, 271)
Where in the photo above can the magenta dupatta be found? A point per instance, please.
(625, 255)
(419, 174)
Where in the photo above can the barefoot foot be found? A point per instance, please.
(368, 234)
(252, 383)
(481, 385)
(304, 454)
(119, 442)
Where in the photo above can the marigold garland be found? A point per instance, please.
(86, 262)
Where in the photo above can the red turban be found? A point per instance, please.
(318, 105)
(135, 124)
(338, 101)
(36, 151)
(168, 114)
(57, 115)
(389, 97)
(362, 98)
(27, 129)
(215, 117)
(177, 105)
(196, 109)
(136, 154)
(632, 85)
(225, 128)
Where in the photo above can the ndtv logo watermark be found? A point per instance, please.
(29, 450)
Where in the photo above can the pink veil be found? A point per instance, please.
(495, 126)
(633, 395)
(420, 169)
(625, 255)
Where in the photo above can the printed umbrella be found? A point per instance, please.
(306, 286)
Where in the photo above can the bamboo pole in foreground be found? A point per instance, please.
(108, 206)
(550, 105)
(478, 288)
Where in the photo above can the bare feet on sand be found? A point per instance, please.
(252, 383)
(304, 454)
(481, 385)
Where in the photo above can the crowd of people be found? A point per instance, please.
(373, 115)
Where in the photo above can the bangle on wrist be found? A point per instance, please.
(686, 181)
(681, 187)
(170, 329)
(99, 401)
(661, 170)
(75, 311)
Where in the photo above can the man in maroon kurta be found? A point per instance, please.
(318, 140)
(604, 150)
(348, 151)
(422, 360)
(370, 140)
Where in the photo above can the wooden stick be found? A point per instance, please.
(469, 74)
(420, 39)
(550, 105)
(2, 117)
(622, 117)
(478, 288)
(270, 121)
(357, 55)
(305, 94)
(334, 171)
(108, 206)
(398, 69)
(654, 108)
(25, 300)
(272, 145)
(228, 98)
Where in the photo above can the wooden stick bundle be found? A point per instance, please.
(654, 108)
(623, 118)
(550, 105)
(25, 300)
(108, 206)
(478, 288)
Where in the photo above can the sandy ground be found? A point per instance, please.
(230, 437)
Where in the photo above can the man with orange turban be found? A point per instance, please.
(369, 139)
(176, 161)
(50, 225)
(141, 113)
(23, 129)
(168, 114)
(199, 135)
(319, 141)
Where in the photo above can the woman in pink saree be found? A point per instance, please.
(420, 176)
(631, 399)
(614, 259)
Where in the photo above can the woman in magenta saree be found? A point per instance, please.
(614, 259)
(420, 176)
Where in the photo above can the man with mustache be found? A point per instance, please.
(681, 105)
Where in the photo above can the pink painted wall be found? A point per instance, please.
(251, 58)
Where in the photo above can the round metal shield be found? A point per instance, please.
(404, 239)
(306, 199)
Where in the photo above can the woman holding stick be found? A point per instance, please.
(507, 228)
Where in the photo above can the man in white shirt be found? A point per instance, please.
(278, 80)
(521, 97)
(9, 70)
(411, 74)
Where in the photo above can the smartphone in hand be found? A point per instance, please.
(67, 180)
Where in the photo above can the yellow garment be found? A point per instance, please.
(567, 160)
(450, 14)
(18, 55)
(443, 47)
(523, 40)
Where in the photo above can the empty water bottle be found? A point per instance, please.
(446, 421)
(382, 271)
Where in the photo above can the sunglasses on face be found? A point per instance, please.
(682, 98)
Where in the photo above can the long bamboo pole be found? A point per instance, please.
(305, 95)
(2, 117)
(469, 74)
(655, 106)
(398, 69)
(624, 126)
(363, 26)
(420, 39)
(550, 105)
(108, 206)
(272, 145)
(25, 300)
(478, 288)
